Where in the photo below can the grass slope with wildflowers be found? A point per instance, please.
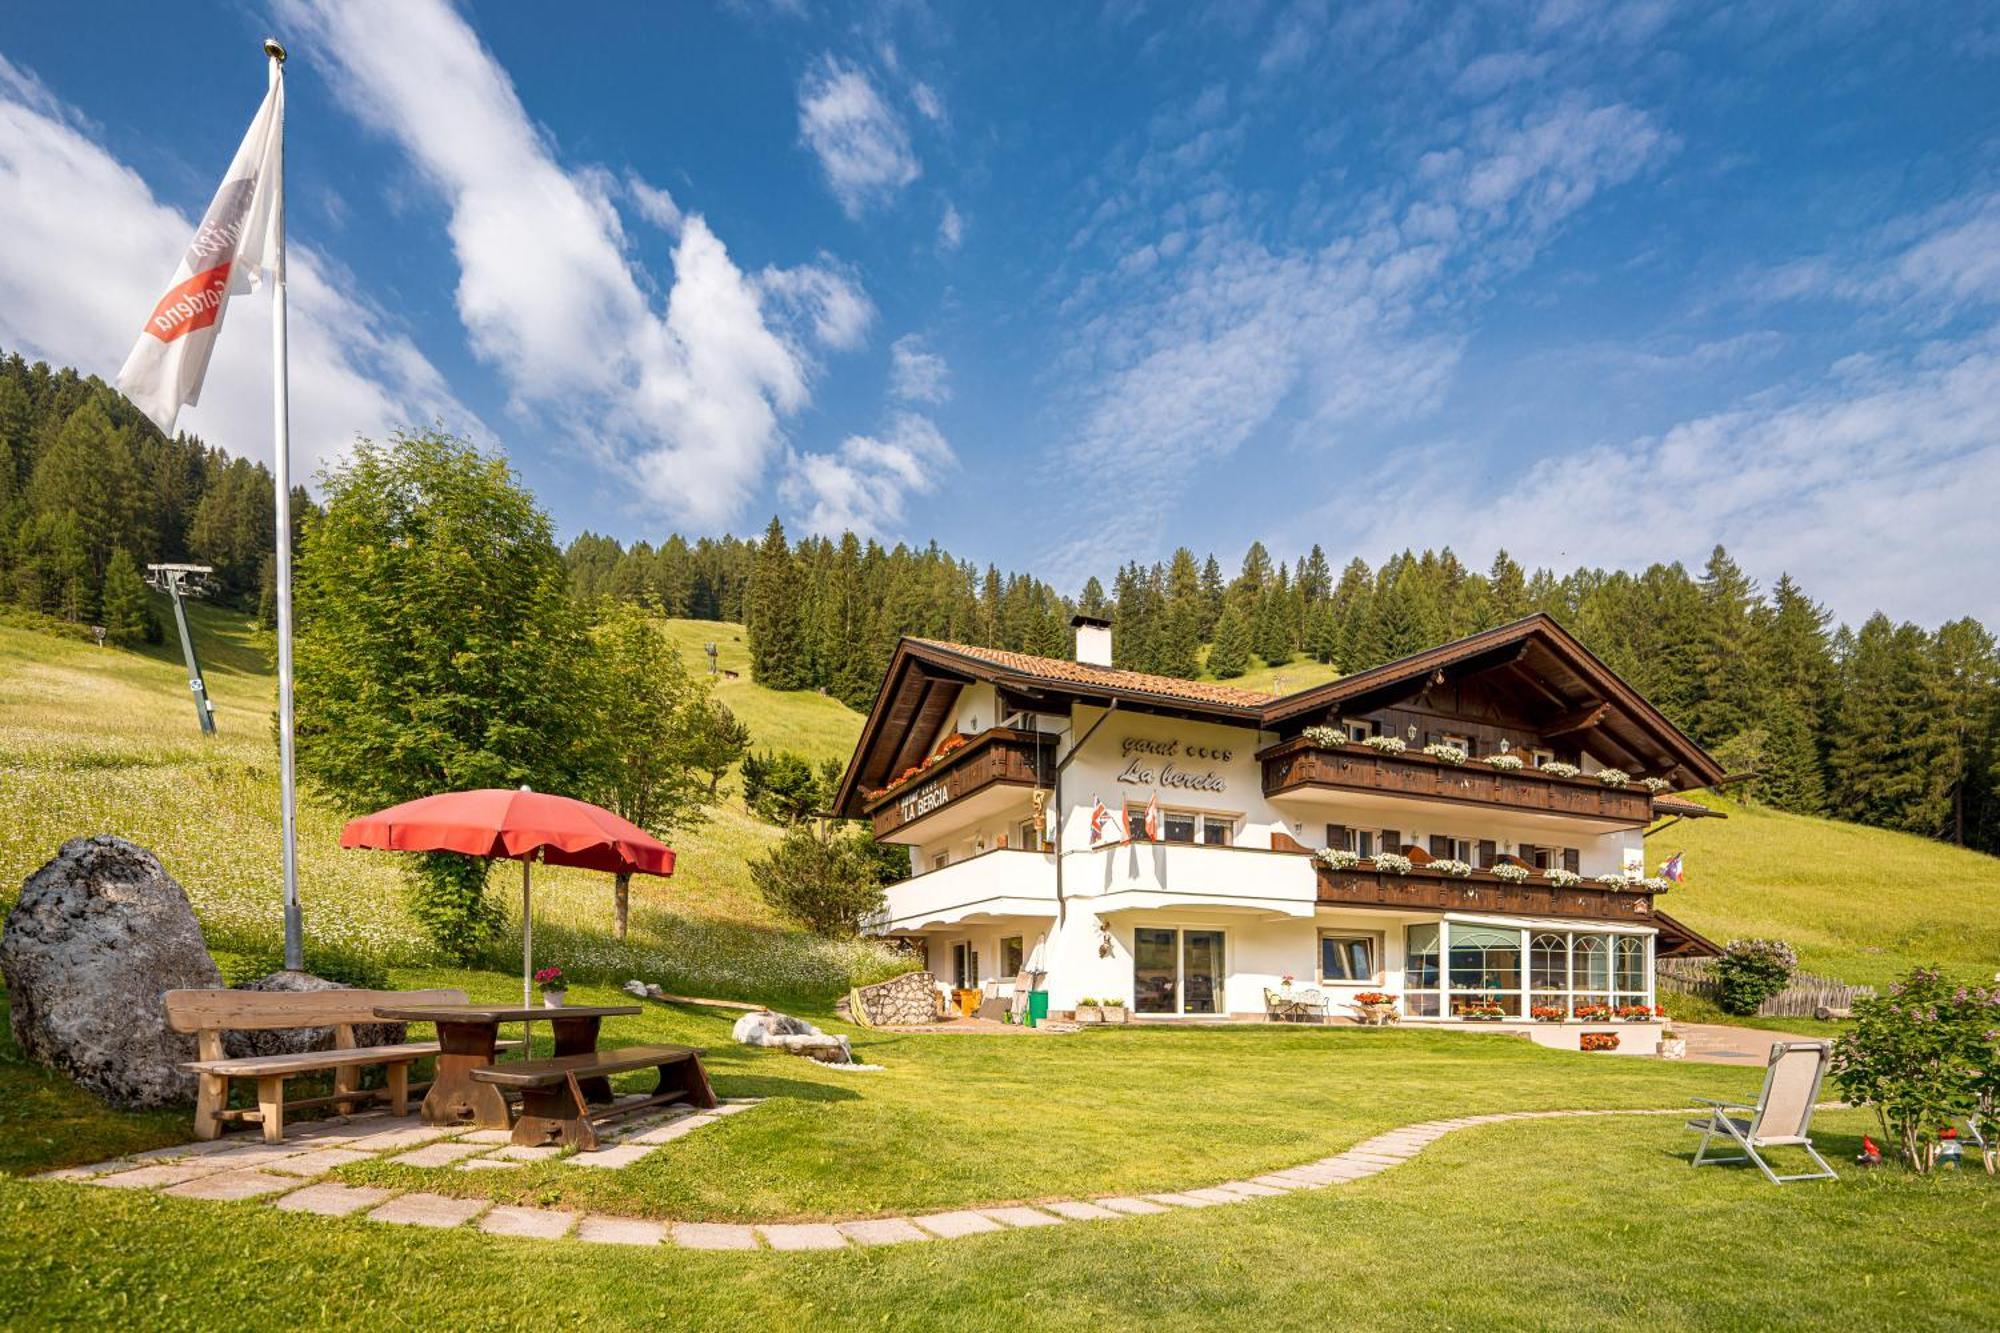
(101, 740)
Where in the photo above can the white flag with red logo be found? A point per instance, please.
(1153, 818)
(237, 240)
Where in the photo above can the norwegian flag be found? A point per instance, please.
(238, 239)
(1105, 823)
(1673, 869)
(1153, 818)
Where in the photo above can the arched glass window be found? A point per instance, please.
(1590, 969)
(1548, 970)
(1630, 971)
(1420, 971)
(1485, 969)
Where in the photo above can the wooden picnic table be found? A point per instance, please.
(468, 1039)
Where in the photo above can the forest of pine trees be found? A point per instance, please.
(1888, 724)
(91, 492)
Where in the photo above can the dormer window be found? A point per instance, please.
(1358, 731)
(1538, 758)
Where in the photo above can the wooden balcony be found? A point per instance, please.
(1293, 765)
(1424, 889)
(999, 756)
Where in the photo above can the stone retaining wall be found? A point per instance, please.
(904, 1001)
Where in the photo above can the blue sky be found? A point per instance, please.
(1062, 285)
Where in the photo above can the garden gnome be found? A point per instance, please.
(1870, 1154)
(1950, 1151)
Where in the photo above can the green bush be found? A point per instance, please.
(1752, 971)
(1926, 1052)
(785, 788)
(828, 881)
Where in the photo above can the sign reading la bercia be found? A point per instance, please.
(1153, 763)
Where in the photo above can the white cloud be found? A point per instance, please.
(653, 204)
(687, 402)
(865, 484)
(917, 374)
(861, 144)
(825, 295)
(89, 249)
(951, 228)
(929, 105)
(1863, 486)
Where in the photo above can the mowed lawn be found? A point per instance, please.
(1593, 1223)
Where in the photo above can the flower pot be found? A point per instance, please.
(553, 999)
(1113, 1013)
(1089, 1013)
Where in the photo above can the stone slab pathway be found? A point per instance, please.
(265, 1172)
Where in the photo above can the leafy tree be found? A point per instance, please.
(438, 649)
(1230, 655)
(783, 786)
(649, 713)
(824, 879)
(128, 609)
(1920, 1056)
(715, 740)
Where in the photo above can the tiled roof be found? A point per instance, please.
(1111, 678)
(1668, 804)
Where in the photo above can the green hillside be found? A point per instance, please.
(99, 740)
(816, 725)
(1288, 678)
(1861, 904)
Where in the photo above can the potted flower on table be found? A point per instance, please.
(554, 987)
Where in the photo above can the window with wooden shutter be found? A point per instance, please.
(1392, 841)
(1440, 845)
(1572, 860)
(1336, 835)
(1489, 851)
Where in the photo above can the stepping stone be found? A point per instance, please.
(199, 1148)
(487, 1164)
(428, 1210)
(154, 1177)
(1021, 1217)
(668, 1133)
(1182, 1200)
(1372, 1158)
(734, 1108)
(488, 1136)
(1284, 1180)
(713, 1236)
(803, 1236)
(526, 1152)
(612, 1159)
(882, 1231)
(538, 1223)
(955, 1224)
(332, 1199)
(229, 1185)
(66, 1173)
(398, 1138)
(1213, 1195)
(1131, 1207)
(262, 1154)
(438, 1154)
(349, 1129)
(320, 1162)
(1248, 1189)
(1079, 1211)
(621, 1231)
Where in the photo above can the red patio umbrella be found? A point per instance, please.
(517, 825)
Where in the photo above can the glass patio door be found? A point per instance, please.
(1177, 971)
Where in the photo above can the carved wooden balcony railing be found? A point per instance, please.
(1295, 764)
(996, 755)
(1429, 890)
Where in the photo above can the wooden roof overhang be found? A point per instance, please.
(1548, 673)
(1679, 940)
(922, 685)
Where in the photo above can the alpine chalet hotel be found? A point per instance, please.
(1460, 830)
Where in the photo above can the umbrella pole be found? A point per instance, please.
(527, 932)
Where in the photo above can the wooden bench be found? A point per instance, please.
(554, 1110)
(210, 1013)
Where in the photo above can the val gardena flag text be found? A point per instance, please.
(236, 242)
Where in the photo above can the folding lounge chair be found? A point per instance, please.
(1782, 1117)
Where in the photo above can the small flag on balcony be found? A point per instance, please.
(1672, 869)
(1105, 825)
(1153, 818)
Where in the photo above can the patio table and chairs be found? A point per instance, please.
(1294, 1006)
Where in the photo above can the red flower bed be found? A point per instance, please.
(1546, 1013)
(1598, 1041)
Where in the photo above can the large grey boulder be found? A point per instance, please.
(291, 1041)
(99, 934)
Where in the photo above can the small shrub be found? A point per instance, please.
(823, 879)
(1752, 971)
(1926, 1052)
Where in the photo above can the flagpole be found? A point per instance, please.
(282, 455)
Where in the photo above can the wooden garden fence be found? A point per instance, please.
(1806, 997)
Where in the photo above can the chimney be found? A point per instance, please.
(1093, 640)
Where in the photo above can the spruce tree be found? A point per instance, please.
(128, 610)
(1230, 654)
(771, 623)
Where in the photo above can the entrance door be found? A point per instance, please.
(1177, 971)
